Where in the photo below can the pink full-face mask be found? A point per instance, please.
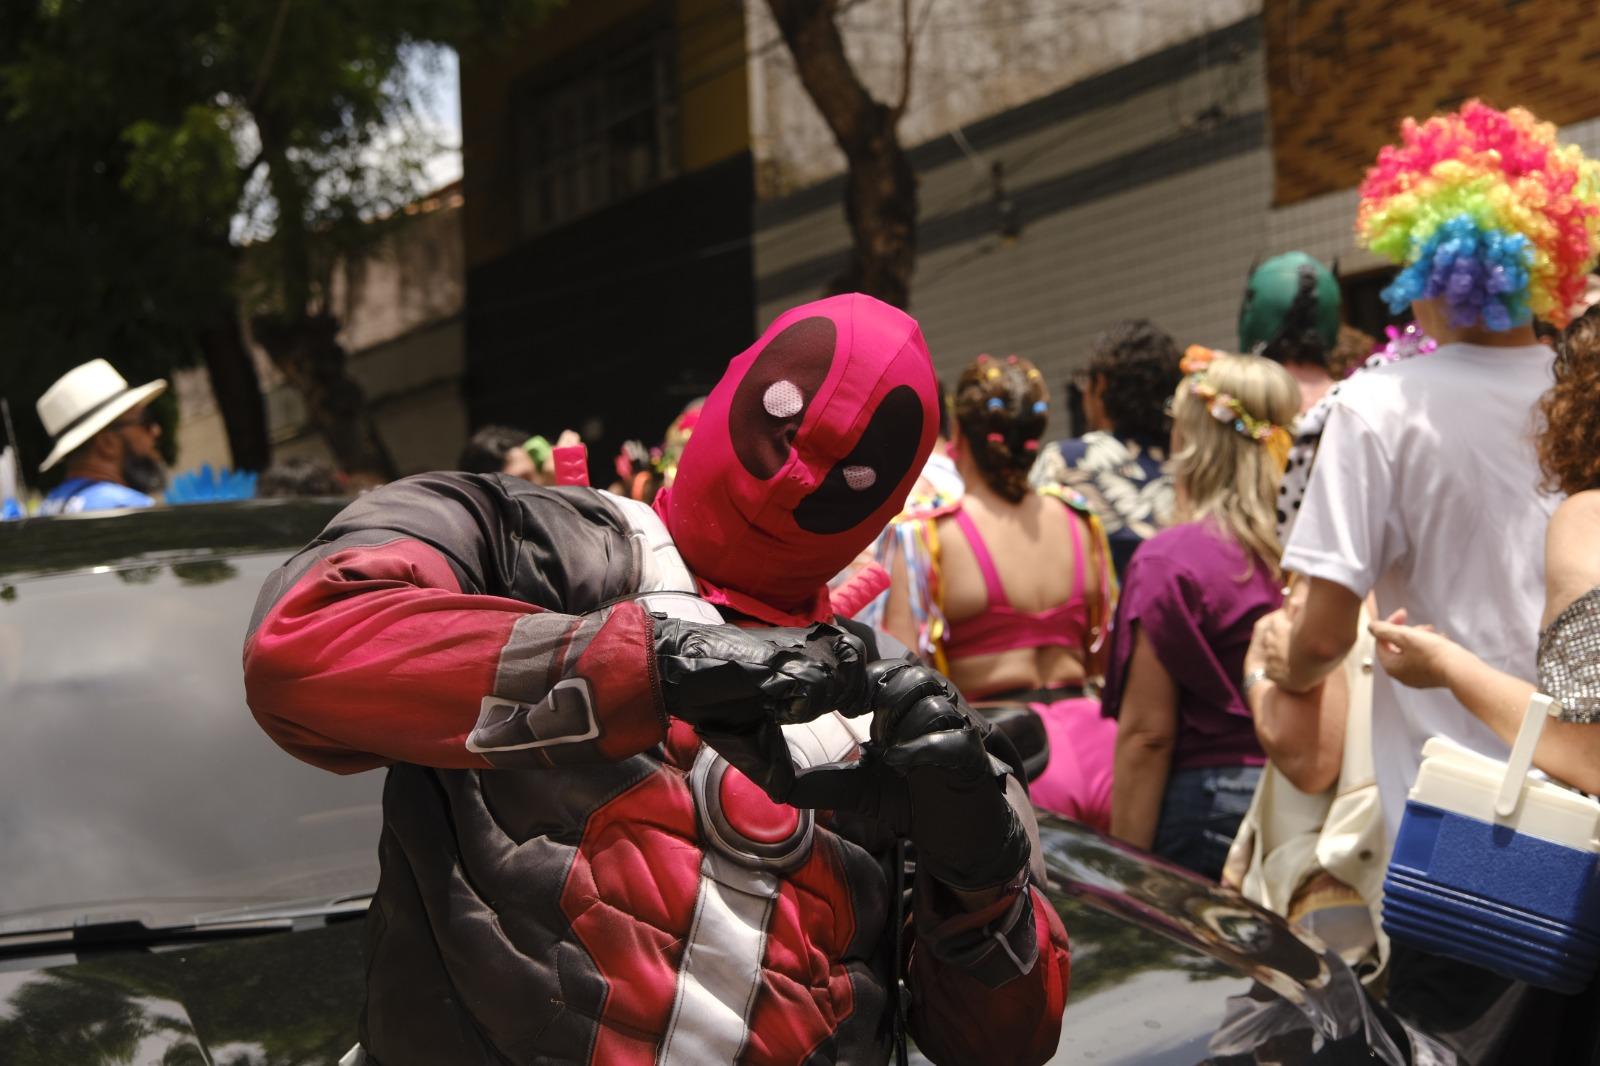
(804, 451)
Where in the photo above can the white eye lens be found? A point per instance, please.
(782, 399)
(860, 478)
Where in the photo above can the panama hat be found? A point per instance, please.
(85, 400)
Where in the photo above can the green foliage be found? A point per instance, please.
(141, 143)
(187, 172)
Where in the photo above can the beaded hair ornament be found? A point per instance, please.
(1485, 212)
(1229, 410)
(995, 405)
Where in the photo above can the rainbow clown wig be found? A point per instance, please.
(1487, 213)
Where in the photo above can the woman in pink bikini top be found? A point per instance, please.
(1023, 589)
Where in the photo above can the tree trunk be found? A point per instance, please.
(238, 393)
(881, 187)
(307, 349)
(303, 340)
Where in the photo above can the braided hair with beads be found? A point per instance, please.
(1002, 407)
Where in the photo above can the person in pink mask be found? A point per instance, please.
(649, 797)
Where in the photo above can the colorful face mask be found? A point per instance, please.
(803, 452)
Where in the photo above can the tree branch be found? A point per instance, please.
(808, 28)
(271, 54)
(881, 187)
(907, 50)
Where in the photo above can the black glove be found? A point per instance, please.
(738, 687)
(927, 775)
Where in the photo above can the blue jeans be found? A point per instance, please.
(1200, 814)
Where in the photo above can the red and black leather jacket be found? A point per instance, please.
(621, 896)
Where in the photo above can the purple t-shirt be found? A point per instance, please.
(1183, 589)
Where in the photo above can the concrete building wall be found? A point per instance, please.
(1175, 250)
(1143, 191)
(971, 61)
(401, 308)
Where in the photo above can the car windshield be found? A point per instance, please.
(133, 781)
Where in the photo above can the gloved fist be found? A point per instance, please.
(726, 677)
(738, 687)
(927, 775)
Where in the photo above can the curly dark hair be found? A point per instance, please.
(1002, 407)
(485, 452)
(1139, 361)
(1569, 443)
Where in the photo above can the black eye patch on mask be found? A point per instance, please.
(859, 483)
(771, 402)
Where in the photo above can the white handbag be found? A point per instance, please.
(1319, 860)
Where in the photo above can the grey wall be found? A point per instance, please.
(1141, 191)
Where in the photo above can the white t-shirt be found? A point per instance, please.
(1425, 491)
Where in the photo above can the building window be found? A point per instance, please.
(597, 137)
(1364, 307)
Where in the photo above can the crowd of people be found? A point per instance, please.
(1322, 551)
(1219, 623)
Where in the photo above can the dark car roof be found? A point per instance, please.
(134, 779)
(160, 534)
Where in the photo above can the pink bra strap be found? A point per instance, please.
(980, 552)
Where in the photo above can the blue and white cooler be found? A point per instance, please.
(1498, 868)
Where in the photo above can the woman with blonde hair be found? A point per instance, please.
(1023, 584)
(1187, 758)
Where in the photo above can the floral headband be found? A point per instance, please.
(1229, 410)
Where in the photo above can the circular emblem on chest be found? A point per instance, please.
(738, 820)
(751, 813)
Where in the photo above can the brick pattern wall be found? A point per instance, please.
(1342, 73)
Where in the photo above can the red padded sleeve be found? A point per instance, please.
(375, 655)
(959, 1016)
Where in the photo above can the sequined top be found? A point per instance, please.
(1569, 659)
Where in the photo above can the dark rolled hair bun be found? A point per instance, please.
(1002, 407)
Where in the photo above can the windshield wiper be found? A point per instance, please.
(104, 934)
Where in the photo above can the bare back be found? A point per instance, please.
(1034, 552)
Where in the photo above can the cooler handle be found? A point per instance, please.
(1540, 708)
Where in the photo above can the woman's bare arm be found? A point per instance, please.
(1418, 657)
(1421, 658)
(1147, 725)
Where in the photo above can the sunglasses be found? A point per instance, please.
(145, 419)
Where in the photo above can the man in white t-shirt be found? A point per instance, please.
(1425, 488)
(1425, 493)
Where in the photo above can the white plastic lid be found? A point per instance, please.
(1467, 783)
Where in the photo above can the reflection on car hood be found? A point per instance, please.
(1319, 989)
(289, 999)
(149, 791)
